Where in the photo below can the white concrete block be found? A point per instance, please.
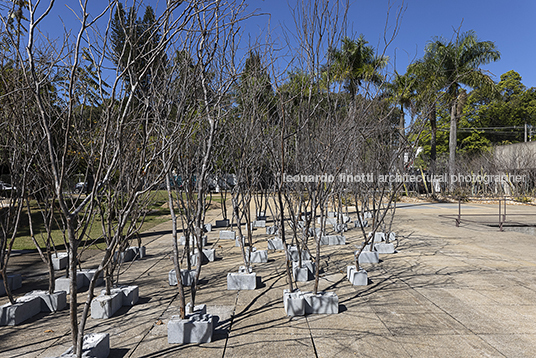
(193, 240)
(237, 241)
(60, 260)
(210, 254)
(363, 223)
(275, 244)
(333, 240)
(105, 306)
(197, 328)
(272, 230)
(241, 281)
(64, 283)
(257, 256)
(188, 277)
(54, 302)
(259, 223)
(384, 248)
(321, 303)
(294, 256)
(139, 252)
(24, 308)
(95, 345)
(294, 303)
(356, 278)
(369, 257)
(88, 276)
(227, 235)
(129, 294)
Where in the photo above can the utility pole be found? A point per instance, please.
(525, 132)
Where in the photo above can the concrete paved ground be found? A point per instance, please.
(448, 292)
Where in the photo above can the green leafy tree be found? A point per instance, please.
(356, 63)
(456, 64)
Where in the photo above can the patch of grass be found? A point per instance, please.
(156, 215)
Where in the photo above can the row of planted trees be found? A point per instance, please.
(181, 107)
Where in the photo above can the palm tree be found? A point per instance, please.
(356, 63)
(456, 64)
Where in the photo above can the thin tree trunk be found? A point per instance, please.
(452, 143)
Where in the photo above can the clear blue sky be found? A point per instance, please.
(510, 24)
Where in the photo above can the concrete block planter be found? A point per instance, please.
(124, 256)
(60, 260)
(257, 256)
(207, 227)
(294, 303)
(369, 257)
(227, 235)
(340, 227)
(321, 303)
(259, 223)
(188, 277)
(294, 256)
(314, 231)
(198, 309)
(64, 283)
(378, 236)
(196, 328)
(96, 345)
(193, 259)
(392, 236)
(272, 230)
(208, 254)
(304, 273)
(24, 308)
(222, 223)
(333, 240)
(357, 277)
(105, 306)
(241, 280)
(363, 223)
(367, 215)
(384, 248)
(237, 241)
(88, 276)
(275, 244)
(182, 241)
(50, 302)
(139, 252)
(261, 215)
(129, 294)
(14, 282)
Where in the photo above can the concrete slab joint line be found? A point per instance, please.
(96, 345)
